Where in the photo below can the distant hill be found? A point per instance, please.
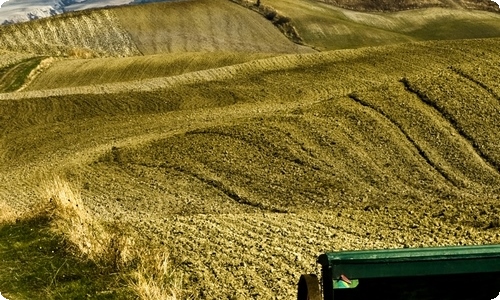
(327, 27)
(392, 5)
(187, 26)
(238, 26)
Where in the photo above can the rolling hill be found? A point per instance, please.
(243, 155)
(286, 150)
(327, 27)
(186, 26)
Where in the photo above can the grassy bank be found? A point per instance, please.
(59, 251)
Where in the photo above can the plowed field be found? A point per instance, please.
(245, 173)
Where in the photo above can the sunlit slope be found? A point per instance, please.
(201, 25)
(245, 173)
(93, 33)
(308, 77)
(328, 27)
(184, 26)
(274, 82)
(82, 72)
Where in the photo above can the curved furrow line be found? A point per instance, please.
(420, 151)
(486, 157)
(439, 139)
(218, 184)
(481, 84)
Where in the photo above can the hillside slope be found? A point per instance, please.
(328, 27)
(185, 26)
(202, 25)
(245, 173)
(84, 72)
(384, 5)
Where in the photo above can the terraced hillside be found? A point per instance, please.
(244, 173)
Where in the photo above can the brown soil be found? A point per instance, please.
(249, 173)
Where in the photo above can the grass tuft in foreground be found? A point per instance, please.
(104, 244)
(60, 251)
(155, 278)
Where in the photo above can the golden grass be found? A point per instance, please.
(7, 214)
(155, 278)
(148, 271)
(86, 235)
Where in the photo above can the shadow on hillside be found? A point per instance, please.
(34, 265)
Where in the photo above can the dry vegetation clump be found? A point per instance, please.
(148, 271)
(85, 234)
(155, 277)
(283, 23)
(7, 214)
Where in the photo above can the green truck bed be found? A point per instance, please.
(458, 273)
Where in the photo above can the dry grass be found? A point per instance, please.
(148, 271)
(155, 278)
(7, 214)
(85, 235)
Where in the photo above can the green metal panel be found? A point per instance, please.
(413, 262)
